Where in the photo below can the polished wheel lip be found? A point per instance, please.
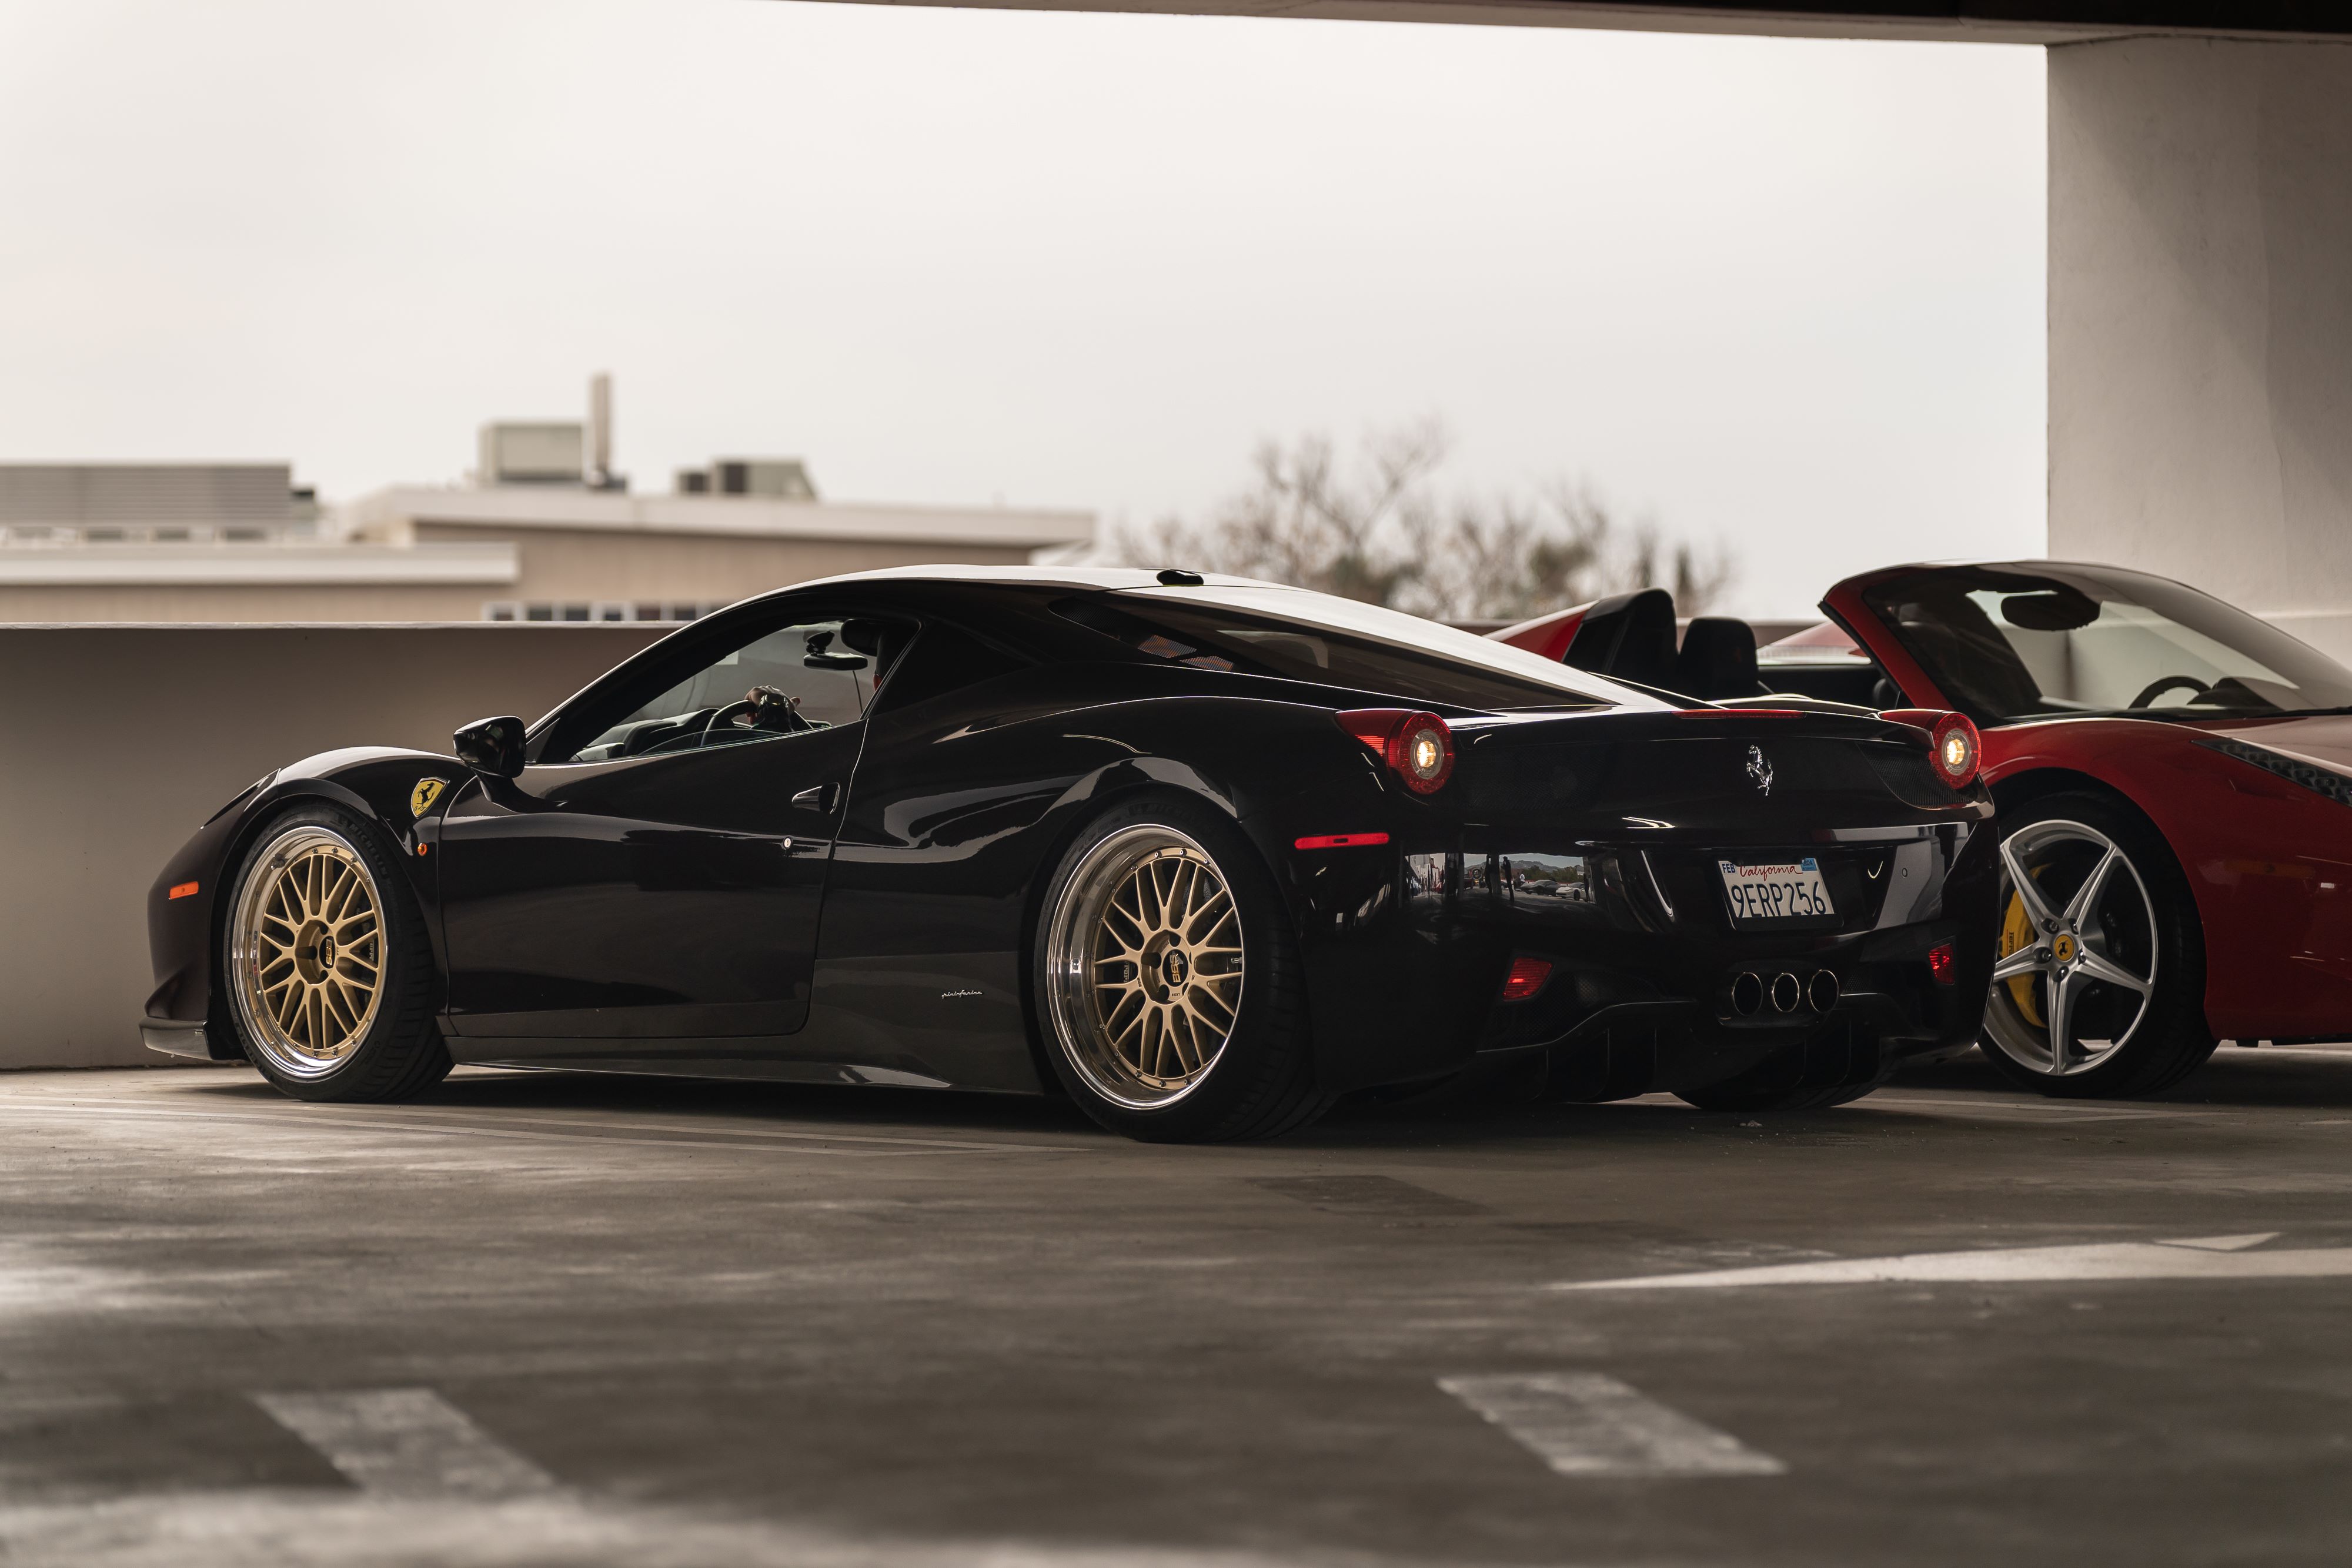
(1144, 966)
(2063, 955)
(306, 950)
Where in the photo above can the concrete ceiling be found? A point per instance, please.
(1965, 21)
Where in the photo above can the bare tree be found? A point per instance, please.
(1304, 521)
(1379, 531)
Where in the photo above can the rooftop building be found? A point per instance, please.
(591, 554)
(61, 504)
(544, 531)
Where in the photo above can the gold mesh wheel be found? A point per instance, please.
(306, 956)
(1144, 966)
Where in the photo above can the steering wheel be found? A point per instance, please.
(2166, 684)
(769, 708)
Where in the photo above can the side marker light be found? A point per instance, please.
(421, 848)
(183, 890)
(1312, 841)
(1941, 959)
(1526, 977)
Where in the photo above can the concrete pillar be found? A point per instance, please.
(2201, 319)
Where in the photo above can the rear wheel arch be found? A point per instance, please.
(1126, 788)
(1262, 1084)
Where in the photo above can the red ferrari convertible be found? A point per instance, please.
(2174, 778)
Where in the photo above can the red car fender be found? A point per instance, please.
(2269, 863)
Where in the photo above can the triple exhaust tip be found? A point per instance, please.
(1785, 992)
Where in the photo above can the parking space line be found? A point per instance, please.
(2185, 1258)
(1590, 1423)
(406, 1442)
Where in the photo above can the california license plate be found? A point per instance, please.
(1776, 891)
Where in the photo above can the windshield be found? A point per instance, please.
(1303, 636)
(2033, 642)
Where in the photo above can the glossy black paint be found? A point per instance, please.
(376, 783)
(685, 913)
(653, 897)
(491, 746)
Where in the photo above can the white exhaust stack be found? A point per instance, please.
(600, 432)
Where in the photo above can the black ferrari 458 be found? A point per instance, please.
(1203, 854)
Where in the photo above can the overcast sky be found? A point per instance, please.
(1786, 295)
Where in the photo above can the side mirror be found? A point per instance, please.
(491, 746)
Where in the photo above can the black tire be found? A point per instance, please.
(1258, 1082)
(396, 1052)
(2171, 1039)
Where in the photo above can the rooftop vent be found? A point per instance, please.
(777, 478)
(535, 453)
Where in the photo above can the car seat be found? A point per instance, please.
(1629, 636)
(1718, 659)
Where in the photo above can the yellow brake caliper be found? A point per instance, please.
(2017, 931)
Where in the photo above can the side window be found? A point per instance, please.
(943, 660)
(814, 674)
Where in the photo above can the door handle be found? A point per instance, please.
(818, 797)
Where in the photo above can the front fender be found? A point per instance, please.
(2269, 864)
(187, 903)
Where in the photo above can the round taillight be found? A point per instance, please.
(1421, 749)
(1955, 744)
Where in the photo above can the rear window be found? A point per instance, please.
(1300, 636)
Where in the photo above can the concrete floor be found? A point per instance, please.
(551, 1320)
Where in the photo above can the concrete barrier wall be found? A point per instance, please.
(2201, 319)
(117, 741)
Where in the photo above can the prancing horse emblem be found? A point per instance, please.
(1760, 768)
(427, 790)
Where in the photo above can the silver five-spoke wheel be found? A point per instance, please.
(1144, 966)
(2077, 964)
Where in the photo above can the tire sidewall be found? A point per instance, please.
(1268, 1039)
(2176, 1004)
(404, 938)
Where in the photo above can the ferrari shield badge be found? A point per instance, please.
(427, 790)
